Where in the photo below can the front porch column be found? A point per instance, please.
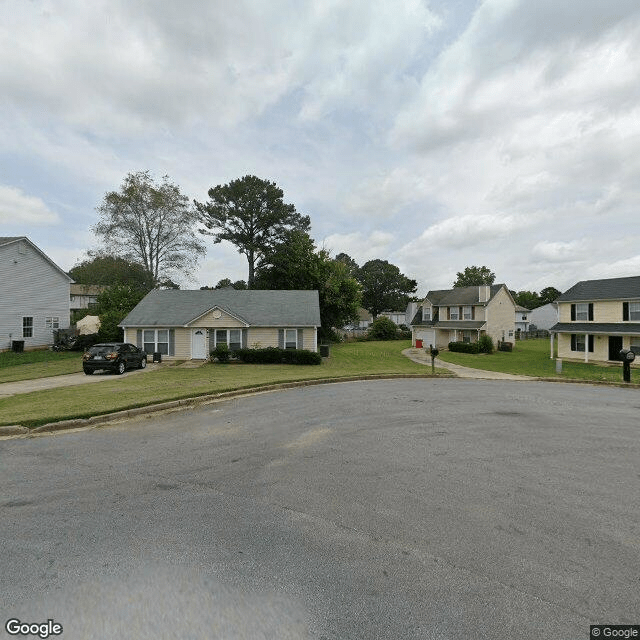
(586, 347)
(551, 354)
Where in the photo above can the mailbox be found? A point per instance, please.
(626, 355)
(434, 352)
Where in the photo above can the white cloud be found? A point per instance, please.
(17, 208)
(576, 250)
(359, 246)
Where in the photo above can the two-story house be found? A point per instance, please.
(463, 314)
(522, 319)
(34, 295)
(598, 318)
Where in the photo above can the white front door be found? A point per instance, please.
(199, 344)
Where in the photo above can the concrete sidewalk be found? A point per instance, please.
(422, 357)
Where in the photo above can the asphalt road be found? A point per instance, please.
(432, 509)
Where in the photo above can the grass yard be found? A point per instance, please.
(531, 358)
(173, 383)
(38, 364)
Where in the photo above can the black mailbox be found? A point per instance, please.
(627, 355)
(434, 352)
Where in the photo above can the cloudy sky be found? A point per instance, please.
(435, 134)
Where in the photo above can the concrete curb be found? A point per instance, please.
(13, 429)
(175, 405)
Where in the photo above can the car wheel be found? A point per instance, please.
(120, 369)
(88, 372)
(143, 363)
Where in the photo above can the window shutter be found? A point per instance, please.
(625, 310)
(591, 344)
(172, 342)
(139, 338)
(591, 311)
(244, 338)
(299, 340)
(473, 313)
(281, 338)
(573, 317)
(573, 340)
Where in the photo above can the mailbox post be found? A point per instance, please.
(434, 353)
(627, 356)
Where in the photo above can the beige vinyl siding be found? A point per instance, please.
(600, 351)
(603, 311)
(501, 314)
(225, 321)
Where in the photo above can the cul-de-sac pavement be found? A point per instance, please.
(432, 509)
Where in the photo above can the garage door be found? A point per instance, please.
(428, 336)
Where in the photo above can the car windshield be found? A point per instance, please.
(103, 349)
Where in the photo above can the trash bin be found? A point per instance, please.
(324, 350)
(418, 343)
(157, 356)
(17, 346)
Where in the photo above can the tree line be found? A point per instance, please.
(150, 235)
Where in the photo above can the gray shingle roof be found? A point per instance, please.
(609, 289)
(177, 308)
(615, 328)
(460, 295)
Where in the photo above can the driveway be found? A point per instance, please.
(68, 380)
(430, 509)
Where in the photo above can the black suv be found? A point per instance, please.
(113, 356)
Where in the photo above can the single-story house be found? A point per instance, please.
(464, 314)
(598, 318)
(188, 325)
(34, 295)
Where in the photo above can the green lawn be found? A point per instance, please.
(173, 383)
(531, 358)
(38, 364)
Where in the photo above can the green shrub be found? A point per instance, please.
(83, 342)
(464, 347)
(273, 355)
(221, 353)
(382, 328)
(485, 344)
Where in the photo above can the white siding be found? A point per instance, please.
(30, 286)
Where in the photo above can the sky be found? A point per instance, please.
(435, 134)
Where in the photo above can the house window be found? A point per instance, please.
(290, 338)
(582, 312)
(27, 327)
(454, 313)
(635, 345)
(156, 341)
(52, 322)
(467, 313)
(231, 337)
(466, 336)
(634, 311)
(578, 342)
(426, 314)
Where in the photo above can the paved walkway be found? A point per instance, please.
(421, 357)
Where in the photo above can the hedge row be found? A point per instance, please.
(464, 347)
(273, 355)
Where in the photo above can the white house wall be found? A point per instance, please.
(30, 286)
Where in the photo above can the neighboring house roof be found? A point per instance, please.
(262, 308)
(522, 309)
(621, 328)
(608, 289)
(5, 240)
(460, 295)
